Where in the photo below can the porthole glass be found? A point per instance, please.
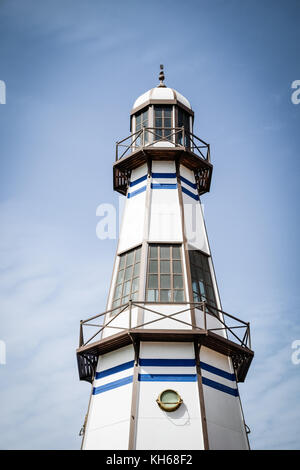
(169, 400)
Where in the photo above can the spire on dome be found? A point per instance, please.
(161, 77)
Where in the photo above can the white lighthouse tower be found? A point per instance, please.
(164, 360)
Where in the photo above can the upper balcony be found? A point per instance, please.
(162, 143)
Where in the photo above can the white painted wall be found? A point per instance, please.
(120, 322)
(193, 216)
(109, 415)
(165, 219)
(167, 323)
(157, 429)
(223, 411)
(131, 233)
(211, 322)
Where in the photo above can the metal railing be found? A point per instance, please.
(150, 136)
(208, 311)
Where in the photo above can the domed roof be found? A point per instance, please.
(160, 93)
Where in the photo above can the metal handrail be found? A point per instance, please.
(206, 309)
(178, 136)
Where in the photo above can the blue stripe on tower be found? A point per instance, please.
(168, 362)
(139, 180)
(163, 175)
(163, 186)
(217, 371)
(189, 183)
(111, 385)
(167, 377)
(220, 387)
(138, 191)
(114, 370)
(189, 193)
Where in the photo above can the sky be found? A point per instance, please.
(72, 72)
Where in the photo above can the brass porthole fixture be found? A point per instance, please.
(169, 400)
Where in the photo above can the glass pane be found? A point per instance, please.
(196, 296)
(201, 287)
(165, 281)
(126, 289)
(194, 272)
(165, 266)
(122, 262)
(120, 276)
(144, 116)
(168, 122)
(165, 295)
(135, 284)
(200, 275)
(195, 286)
(128, 273)
(165, 252)
(138, 255)
(136, 269)
(158, 111)
(179, 296)
(153, 266)
(197, 258)
(125, 299)
(153, 281)
(153, 252)
(177, 282)
(205, 262)
(177, 267)
(207, 277)
(116, 303)
(158, 134)
(152, 295)
(176, 252)
(135, 296)
(118, 291)
(210, 294)
(129, 258)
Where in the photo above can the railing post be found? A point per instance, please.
(130, 312)
(249, 337)
(183, 136)
(205, 319)
(80, 334)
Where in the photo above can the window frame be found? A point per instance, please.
(206, 274)
(144, 123)
(134, 276)
(186, 124)
(172, 273)
(163, 132)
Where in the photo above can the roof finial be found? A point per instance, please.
(161, 77)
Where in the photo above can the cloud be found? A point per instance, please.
(42, 299)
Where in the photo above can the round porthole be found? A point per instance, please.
(169, 400)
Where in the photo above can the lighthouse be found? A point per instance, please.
(165, 359)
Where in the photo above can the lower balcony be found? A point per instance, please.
(137, 321)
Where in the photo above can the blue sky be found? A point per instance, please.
(72, 71)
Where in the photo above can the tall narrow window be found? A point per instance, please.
(141, 120)
(164, 274)
(127, 281)
(163, 122)
(201, 278)
(184, 121)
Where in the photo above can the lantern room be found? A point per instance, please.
(161, 125)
